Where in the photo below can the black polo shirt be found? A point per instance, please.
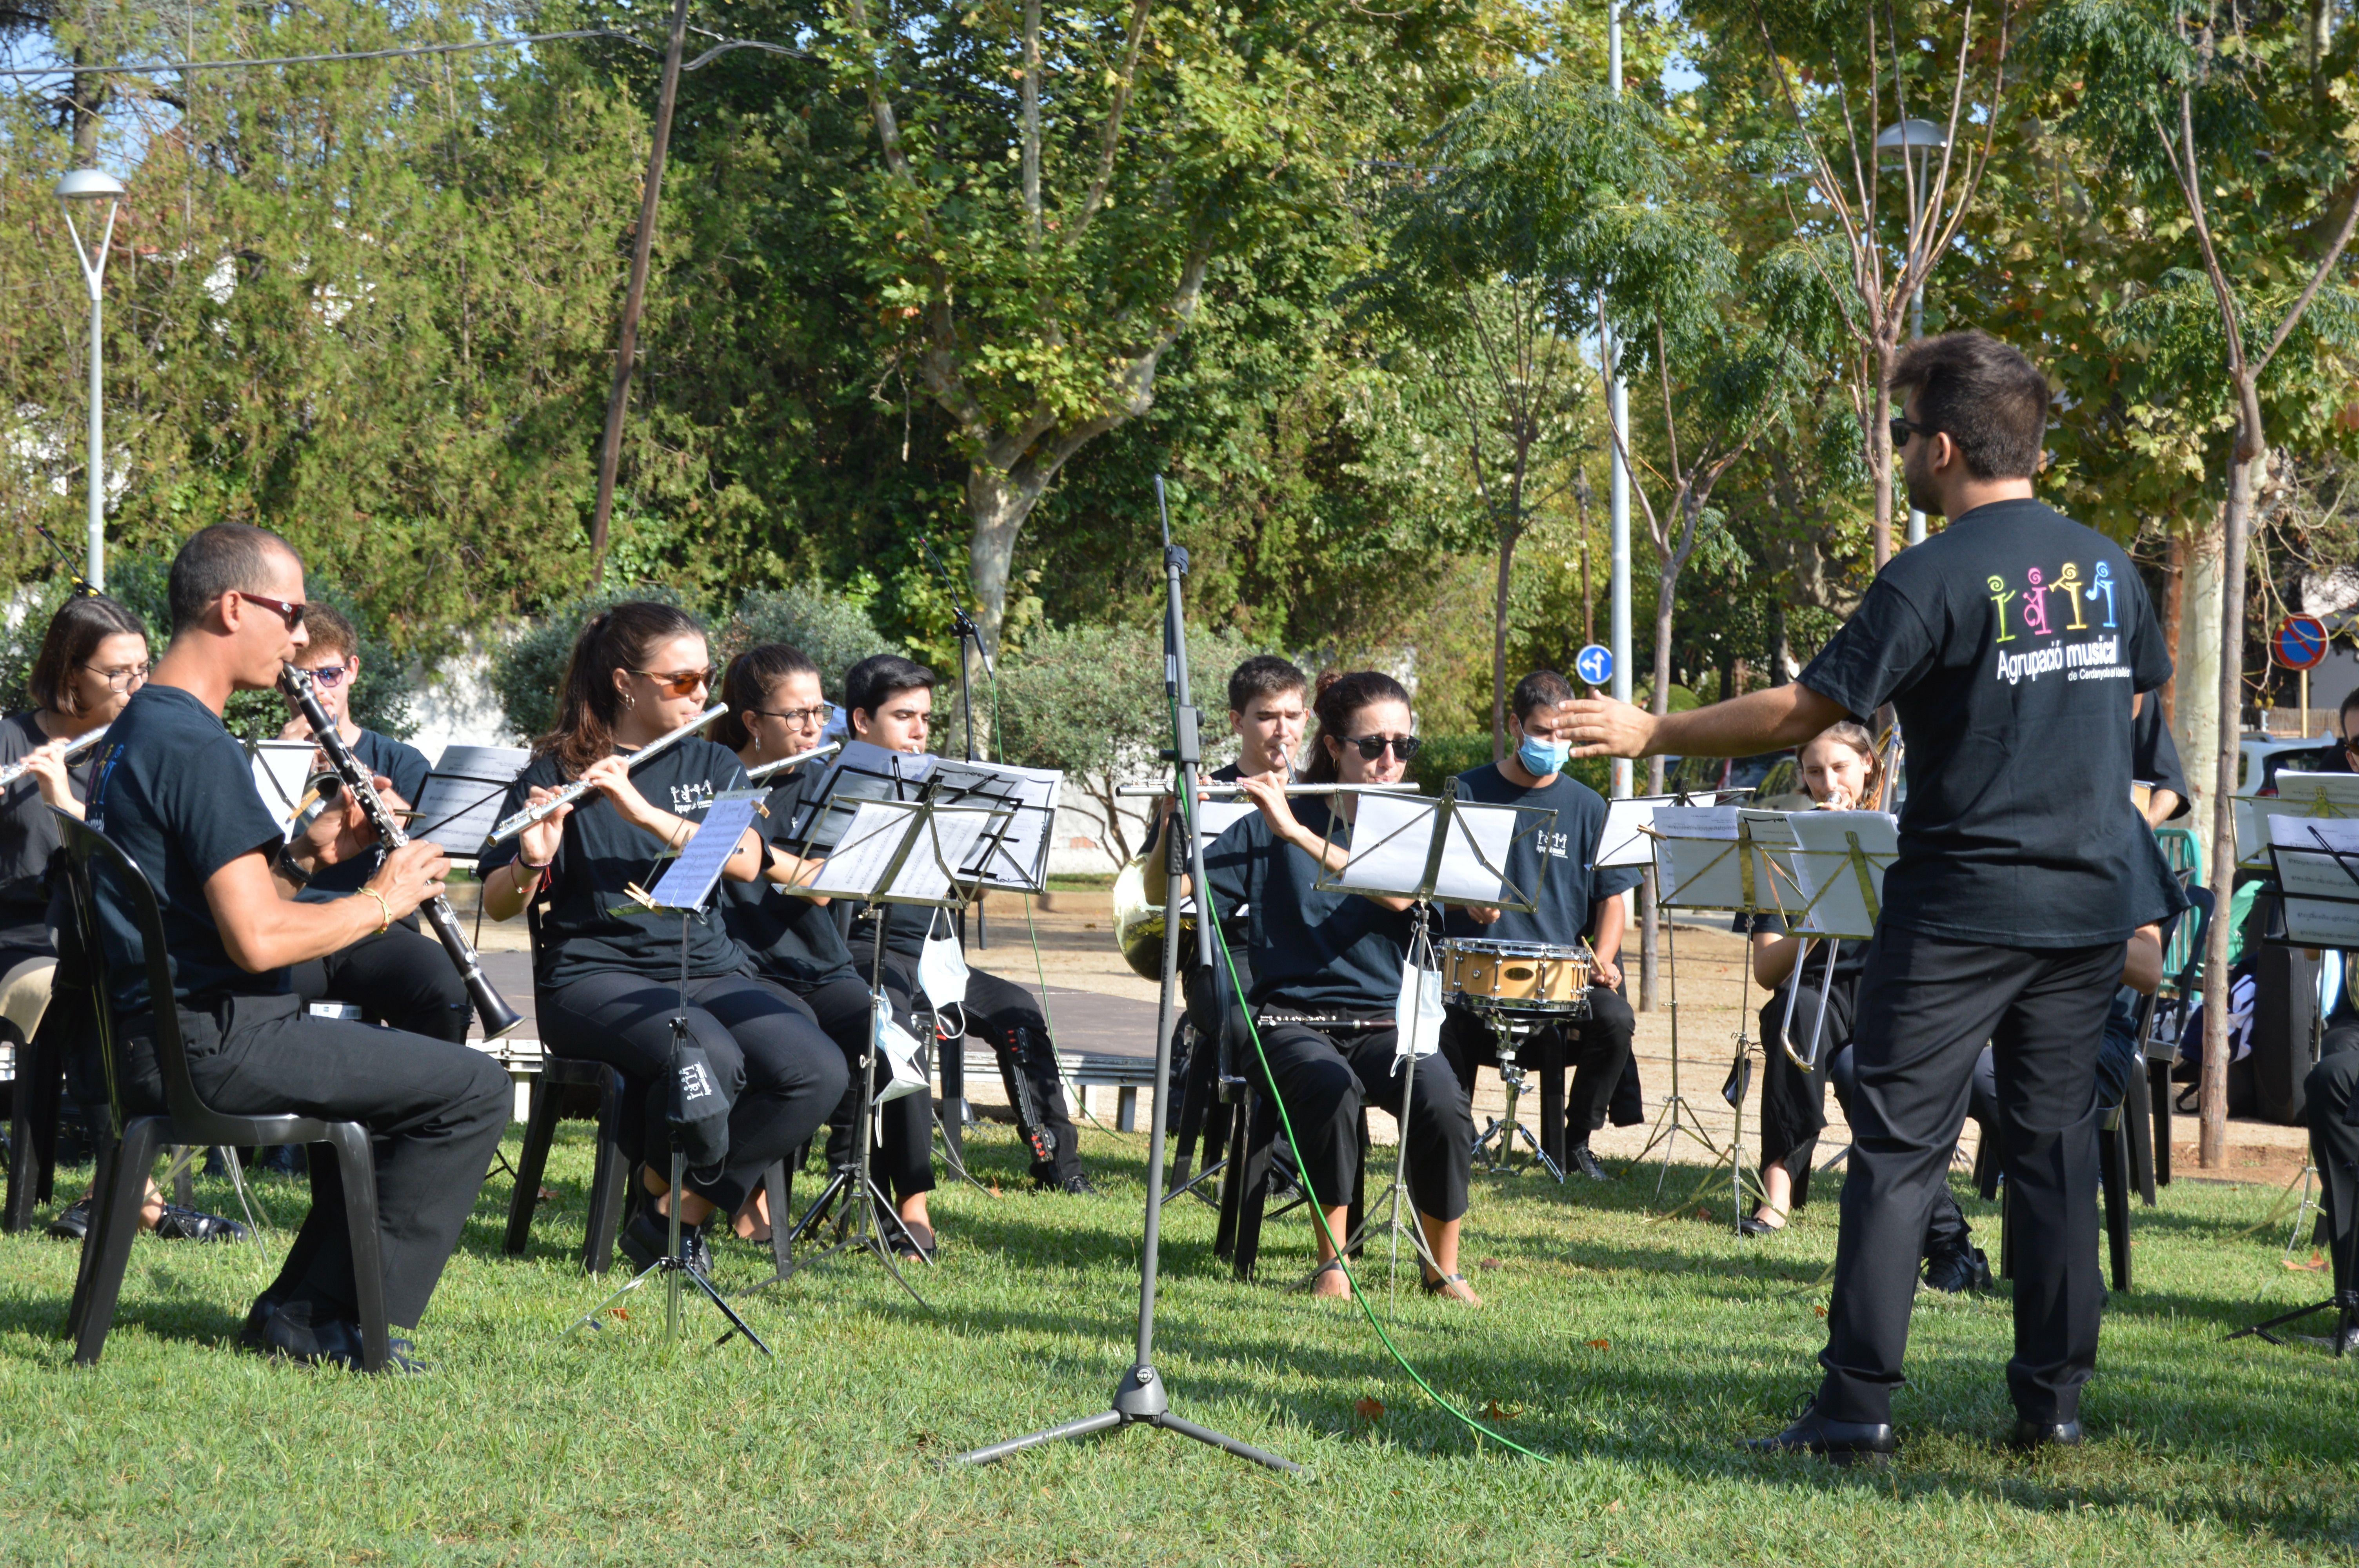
(1571, 883)
(2009, 645)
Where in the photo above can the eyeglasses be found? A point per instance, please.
(1901, 430)
(330, 675)
(1373, 746)
(293, 612)
(679, 683)
(121, 679)
(801, 717)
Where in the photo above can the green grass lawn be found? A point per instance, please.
(1634, 1353)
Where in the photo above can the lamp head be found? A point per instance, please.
(89, 185)
(1911, 135)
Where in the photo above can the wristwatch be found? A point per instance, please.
(287, 868)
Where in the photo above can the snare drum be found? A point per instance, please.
(1516, 977)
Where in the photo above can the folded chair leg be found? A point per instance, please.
(539, 1130)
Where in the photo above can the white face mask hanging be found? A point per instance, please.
(941, 975)
(1418, 1014)
(902, 1056)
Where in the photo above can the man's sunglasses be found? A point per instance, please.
(292, 612)
(679, 683)
(1373, 746)
(1902, 428)
(330, 677)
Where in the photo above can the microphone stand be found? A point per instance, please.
(952, 1053)
(1139, 1398)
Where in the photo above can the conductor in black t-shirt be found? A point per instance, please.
(174, 791)
(399, 976)
(2014, 647)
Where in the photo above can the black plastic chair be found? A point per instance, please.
(559, 1091)
(1251, 1177)
(115, 1220)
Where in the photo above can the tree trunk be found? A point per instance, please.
(1880, 453)
(2174, 604)
(2213, 1101)
(998, 504)
(1499, 647)
(1781, 646)
(2195, 712)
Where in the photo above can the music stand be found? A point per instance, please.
(461, 802)
(1424, 848)
(888, 851)
(685, 887)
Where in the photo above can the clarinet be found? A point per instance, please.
(497, 1015)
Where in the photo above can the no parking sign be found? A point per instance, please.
(2300, 642)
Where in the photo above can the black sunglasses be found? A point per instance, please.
(1373, 746)
(1901, 430)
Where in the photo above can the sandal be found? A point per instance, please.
(1439, 1287)
(1332, 1266)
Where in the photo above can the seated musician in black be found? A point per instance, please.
(1839, 769)
(1319, 958)
(606, 968)
(2329, 1105)
(1577, 900)
(777, 711)
(399, 976)
(889, 702)
(175, 792)
(94, 656)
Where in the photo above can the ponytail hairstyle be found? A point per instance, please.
(752, 677)
(1339, 700)
(80, 625)
(618, 638)
(1855, 736)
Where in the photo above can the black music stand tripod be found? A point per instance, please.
(1139, 1397)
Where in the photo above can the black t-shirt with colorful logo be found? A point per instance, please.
(2010, 645)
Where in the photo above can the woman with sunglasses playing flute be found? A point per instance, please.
(606, 969)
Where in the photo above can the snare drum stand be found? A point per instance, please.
(1505, 1128)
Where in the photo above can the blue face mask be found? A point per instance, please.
(1543, 757)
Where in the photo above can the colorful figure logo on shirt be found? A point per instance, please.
(2068, 585)
(2035, 607)
(2105, 584)
(2000, 594)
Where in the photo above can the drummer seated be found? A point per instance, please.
(1575, 898)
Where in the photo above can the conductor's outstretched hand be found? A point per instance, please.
(1601, 726)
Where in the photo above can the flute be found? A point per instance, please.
(1231, 791)
(576, 790)
(756, 775)
(73, 748)
(497, 1015)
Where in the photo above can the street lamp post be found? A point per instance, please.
(95, 185)
(1913, 140)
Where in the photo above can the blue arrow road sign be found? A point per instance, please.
(1594, 664)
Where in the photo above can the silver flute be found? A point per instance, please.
(756, 775)
(577, 789)
(1231, 791)
(73, 748)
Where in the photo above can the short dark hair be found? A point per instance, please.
(330, 632)
(879, 678)
(751, 677)
(1264, 675)
(1540, 688)
(2342, 715)
(1982, 395)
(221, 558)
(80, 625)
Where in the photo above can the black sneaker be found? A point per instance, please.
(648, 1237)
(72, 1222)
(1579, 1158)
(1077, 1183)
(1964, 1268)
(178, 1223)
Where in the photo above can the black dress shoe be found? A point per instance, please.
(1843, 1442)
(648, 1237)
(1579, 1158)
(178, 1223)
(2036, 1434)
(294, 1333)
(72, 1222)
(1754, 1225)
(1077, 1185)
(1963, 1270)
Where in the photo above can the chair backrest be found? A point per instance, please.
(88, 855)
(2182, 951)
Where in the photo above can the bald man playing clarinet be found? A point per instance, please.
(2014, 647)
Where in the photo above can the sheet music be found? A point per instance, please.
(859, 771)
(1473, 867)
(1830, 884)
(1624, 842)
(1214, 817)
(1392, 840)
(1699, 862)
(461, 802)
(688, 881)
(933, 869)
(865, 850)
(1015, 857)
(281, 768)
(2305, 868)
(2308, 797)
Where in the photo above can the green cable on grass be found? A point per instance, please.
(1206, 911)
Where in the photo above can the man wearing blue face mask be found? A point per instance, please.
(1577, 899)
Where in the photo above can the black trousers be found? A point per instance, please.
(2328, 1096)
(903, 1161)
(397, 977)
(1003, 1014)
(1597, 1048)
(1946, 1230)
(777, 1070)
(436, 1111)
(1926, 1006)
(1324, 1080)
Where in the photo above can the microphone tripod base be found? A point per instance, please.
(1138, 1401)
